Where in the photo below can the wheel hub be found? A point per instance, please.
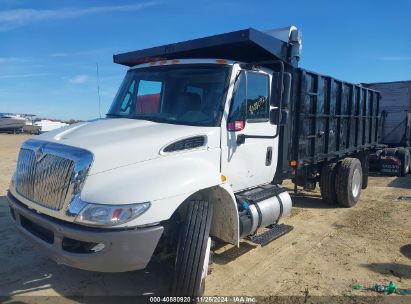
(356, 183)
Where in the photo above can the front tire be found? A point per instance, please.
(348, 182)
(193, 250)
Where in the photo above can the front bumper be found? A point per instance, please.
(95, 249)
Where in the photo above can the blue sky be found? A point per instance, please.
(49, 49)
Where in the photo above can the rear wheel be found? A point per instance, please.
(404, 156)
(327, 183)
(348, 182)
(364, 181)
(193, 250)
(365, 165)
(409, 163)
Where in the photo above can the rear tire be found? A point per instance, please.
(327, 183)
(348, 182)
(364, 181)
(404, 156)
(365, 165)
(409, 151)
(193, 250)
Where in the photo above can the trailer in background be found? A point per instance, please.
(392, 155)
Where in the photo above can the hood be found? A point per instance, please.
(119, 142)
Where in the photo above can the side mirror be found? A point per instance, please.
(276, 95)
(278, 117)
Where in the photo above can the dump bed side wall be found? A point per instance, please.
(332, 118)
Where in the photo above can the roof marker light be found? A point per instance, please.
(222, 61)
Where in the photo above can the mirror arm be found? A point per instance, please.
(277, 131)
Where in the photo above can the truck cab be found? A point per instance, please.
(197, 93)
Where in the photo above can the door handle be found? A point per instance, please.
(269, 156)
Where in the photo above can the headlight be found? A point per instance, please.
(109, 215)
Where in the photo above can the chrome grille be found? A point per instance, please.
(45, 181)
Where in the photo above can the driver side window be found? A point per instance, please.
(250, 100)
(257, 97)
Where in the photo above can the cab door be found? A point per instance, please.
(251, 162)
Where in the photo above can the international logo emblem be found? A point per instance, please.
(39, 153)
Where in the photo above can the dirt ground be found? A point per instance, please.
(329, 250)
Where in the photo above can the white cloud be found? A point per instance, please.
(29, 75)
(79, 79)
(13, 60)
(395, 58)
(10, 19)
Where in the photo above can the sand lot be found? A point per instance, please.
(328, 250)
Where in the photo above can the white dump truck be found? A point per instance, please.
(195, 146)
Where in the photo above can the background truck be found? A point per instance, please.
(195, 146)
(392, 155)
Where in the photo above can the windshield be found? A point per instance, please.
(180, 94)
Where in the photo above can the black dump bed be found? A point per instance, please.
(327, 118)
(332, 118)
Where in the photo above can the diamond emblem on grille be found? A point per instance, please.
(39, 153)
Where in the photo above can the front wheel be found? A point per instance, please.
(193, 250)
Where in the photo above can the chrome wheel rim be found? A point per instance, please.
(356, 183)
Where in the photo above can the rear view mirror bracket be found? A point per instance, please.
(280, 96)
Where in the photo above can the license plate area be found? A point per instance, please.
(37, 230)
